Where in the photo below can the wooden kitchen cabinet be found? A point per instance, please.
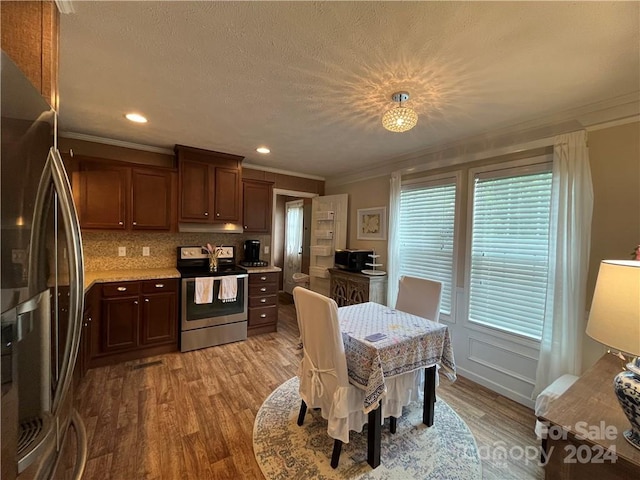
(263, 303)
(30, 32)
(151, 199)
(136, 319)
(351, 288)
(209, 185)
(257, 198)
(102, 195)
(159, 320)
(117, 196)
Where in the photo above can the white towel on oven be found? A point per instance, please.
(228, 289)
(204, 290)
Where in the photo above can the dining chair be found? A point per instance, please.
(324, 382)
(420, 297)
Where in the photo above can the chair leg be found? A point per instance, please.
(335, 456)
(303, 412)
(393, 423)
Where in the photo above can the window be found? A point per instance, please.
(509, 249)
(426, 232)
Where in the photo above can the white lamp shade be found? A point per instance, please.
(614, 319)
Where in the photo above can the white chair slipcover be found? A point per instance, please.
(324, 382)
(420, 297)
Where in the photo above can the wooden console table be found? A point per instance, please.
(351, 288)
(589, 408)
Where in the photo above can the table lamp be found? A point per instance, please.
(614, 320)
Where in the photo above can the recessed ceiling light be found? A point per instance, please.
(263, 150)
(136, 117)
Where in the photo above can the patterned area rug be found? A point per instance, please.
(284, 450)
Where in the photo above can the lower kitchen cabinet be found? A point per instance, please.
(137, 319)
(263, 303)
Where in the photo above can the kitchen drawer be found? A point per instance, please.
(258, 278)
(158, 286)
(262, 289)
(263, 315)
(120, 289)
(263, 300)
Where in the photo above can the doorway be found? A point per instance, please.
(280, 198)
(293, 234)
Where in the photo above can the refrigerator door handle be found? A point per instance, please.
(76, 273)
(17, 318)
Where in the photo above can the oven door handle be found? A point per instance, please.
(239, 276)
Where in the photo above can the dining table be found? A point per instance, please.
(381, 342)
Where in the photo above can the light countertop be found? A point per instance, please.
(262, 269)
(128, 275)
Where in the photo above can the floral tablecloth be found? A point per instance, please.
(410, 343)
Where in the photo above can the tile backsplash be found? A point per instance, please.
(101, 247)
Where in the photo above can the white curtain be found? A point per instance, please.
(393, 248)
(569, 244)
(293, 237)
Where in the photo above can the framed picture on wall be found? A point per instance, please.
(372, 223)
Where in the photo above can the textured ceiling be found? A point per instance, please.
(311, 80)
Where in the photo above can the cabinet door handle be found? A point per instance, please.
(120, 223)
(217, 214)
(264, 315)
(89, 319)
(159, 285)
(135, 223)
(263, 278)
(245, 227)
(122, 289)
(263, 289)
(135, 302)
(146, 299)
(206, 214)
(263, 300)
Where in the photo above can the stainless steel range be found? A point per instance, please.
(213, 303)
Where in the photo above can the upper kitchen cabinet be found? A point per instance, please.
(118, 196)
(257, 197)
(30, 38)
(210, 186)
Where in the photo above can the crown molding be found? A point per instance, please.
(65, 6)
(282, 172)
(508, 139)
(115, 143)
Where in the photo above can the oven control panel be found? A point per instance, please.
(198, 252)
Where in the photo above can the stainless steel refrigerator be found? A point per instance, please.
(41, 283)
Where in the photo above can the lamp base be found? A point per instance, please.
(627, 387)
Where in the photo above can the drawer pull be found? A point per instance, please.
(264, 315)
(263, 289)
(135, 302)
(263, 300)
(263, 278)
(146, 299)
(159, 285)
(122, 289)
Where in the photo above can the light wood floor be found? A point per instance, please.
(190, 415)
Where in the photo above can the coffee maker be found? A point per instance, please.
(252, 254)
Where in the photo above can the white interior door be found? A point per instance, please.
(294, 214)
(328, 232)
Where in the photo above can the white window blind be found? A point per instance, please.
(427, 214)
(509, 251)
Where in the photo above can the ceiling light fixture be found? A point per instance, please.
(264, 150)
(400, 119)
(136, 117)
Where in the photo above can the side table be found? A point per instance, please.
(584, 439)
